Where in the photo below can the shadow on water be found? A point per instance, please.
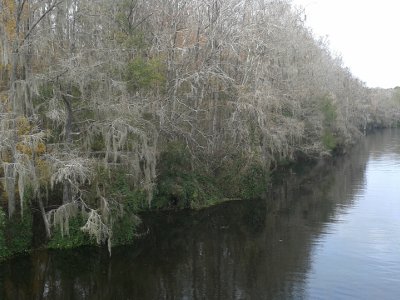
(238, 250)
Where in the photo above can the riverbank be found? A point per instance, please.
(326, 236)
(179, 188)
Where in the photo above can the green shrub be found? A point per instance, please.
(124, 229)
(4, 252)
(75, 238)
(238, 177)
(133, 200)
(329, 111)
(329, 140)
(115, 185)
(180, 186)
(16, 233)
(253, 183)
(145, 74)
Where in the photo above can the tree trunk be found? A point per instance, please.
(45, 221)
(67, 195)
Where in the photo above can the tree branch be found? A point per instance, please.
(55, 4)
(21, 8)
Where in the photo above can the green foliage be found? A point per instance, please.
(15, 233)
(97, 143)
(180, 186)
(329, 140)
(75, 238)
(3, 247)
(184, 190)
(45, 91)
(116, 185)
(328, 109)
(253, 183)
(145, 73)
(124, 229)
(132, 200)
(135, 39)
(238, 177)
(128, 33)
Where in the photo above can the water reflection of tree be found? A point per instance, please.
(240, 250)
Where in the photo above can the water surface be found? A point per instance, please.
(335, 235)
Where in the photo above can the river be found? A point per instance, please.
(335, 235)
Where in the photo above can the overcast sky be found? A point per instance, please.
(365, 32)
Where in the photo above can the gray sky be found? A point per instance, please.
(365, 33)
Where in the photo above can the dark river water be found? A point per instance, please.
(334, 234)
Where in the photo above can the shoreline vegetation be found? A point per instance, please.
(114, 108)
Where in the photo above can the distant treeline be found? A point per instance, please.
(110, 107)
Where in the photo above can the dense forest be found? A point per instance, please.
(112, 107)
